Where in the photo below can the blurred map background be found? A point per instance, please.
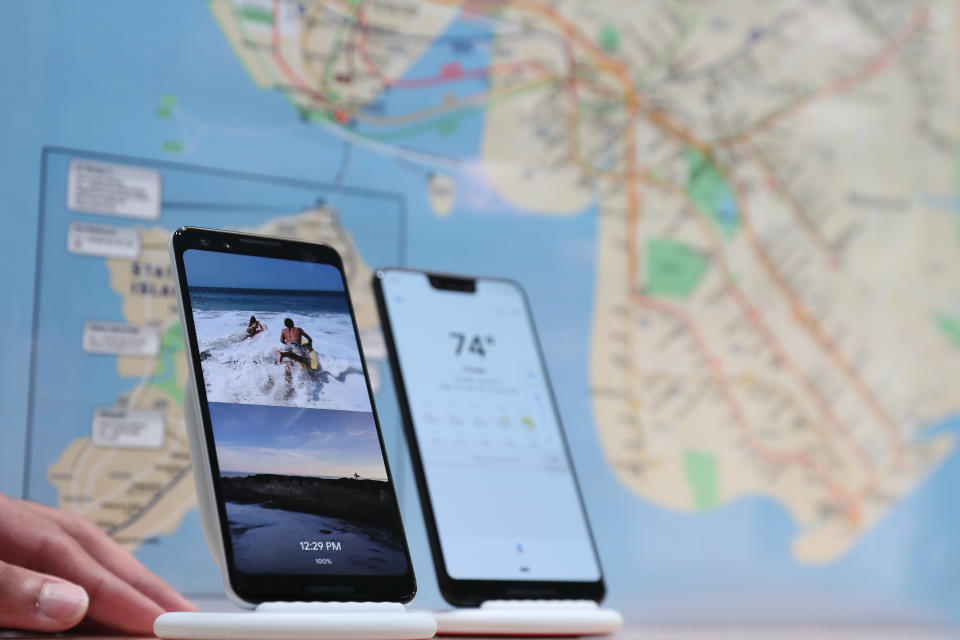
(737, 223)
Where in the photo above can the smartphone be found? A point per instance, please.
(502, 506)
(291, 442)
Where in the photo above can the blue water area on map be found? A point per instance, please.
(726, 210)
(456, 135)
(463, 45)
(894, 572)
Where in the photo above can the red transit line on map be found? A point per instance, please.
(449, 73)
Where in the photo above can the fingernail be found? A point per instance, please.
(62, 601)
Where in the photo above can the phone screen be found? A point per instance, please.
(299, 461)
(502, 490)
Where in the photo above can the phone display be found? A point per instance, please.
(496, 479)
(305, 494)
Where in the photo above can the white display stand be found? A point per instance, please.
(275, 620)
(530, 618)
(301, 621)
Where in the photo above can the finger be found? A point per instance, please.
(113, 602)
(31, 600)
(50, 549)
(116, 559)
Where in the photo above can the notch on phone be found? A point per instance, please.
(453, 283)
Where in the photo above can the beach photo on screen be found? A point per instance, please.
(306, 491)
(272, 331)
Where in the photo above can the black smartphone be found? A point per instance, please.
(291, 443)
(502, 506)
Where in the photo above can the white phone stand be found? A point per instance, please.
(301, 621)
(275, 620)
(530, 618)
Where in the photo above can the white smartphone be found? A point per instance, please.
(290, 447)
(502, 507)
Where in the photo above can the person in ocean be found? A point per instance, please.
(255, 327)
(291, 337)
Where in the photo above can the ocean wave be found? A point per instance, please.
(245, 370)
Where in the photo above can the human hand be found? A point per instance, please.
(58, 569)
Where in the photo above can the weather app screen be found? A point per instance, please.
(500, 482)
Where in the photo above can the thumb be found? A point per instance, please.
(36, 601)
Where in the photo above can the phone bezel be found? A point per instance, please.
(253, 588)
(469, 593)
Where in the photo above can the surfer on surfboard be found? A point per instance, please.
(293, 346)
(254, 328)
